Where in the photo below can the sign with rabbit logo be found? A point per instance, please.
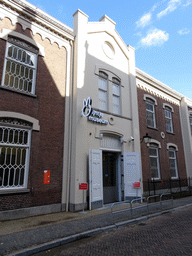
(92, 115)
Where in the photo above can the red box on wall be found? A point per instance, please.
(83, 186)
(46, 178)
(136, 184)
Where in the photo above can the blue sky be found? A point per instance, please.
(160, 31)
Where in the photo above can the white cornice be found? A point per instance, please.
(35, 19)
(155, 85)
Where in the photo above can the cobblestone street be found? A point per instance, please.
(168, 234)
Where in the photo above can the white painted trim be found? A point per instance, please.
(6, 32)
(155, 142)
(34, 121)
(145, 96)
(169, 106)
(43, 24)
(172, 145)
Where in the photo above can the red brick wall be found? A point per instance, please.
(175, 137)
(47, 144)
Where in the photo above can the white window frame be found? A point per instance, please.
(10, 162)
(104, 78)
(116, 83)
(190, 121)
(168, 118)
(152, 104)
(155, 147)
(174, 158)
(15, 74)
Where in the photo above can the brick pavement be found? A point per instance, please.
(59, 226)
(167, 234)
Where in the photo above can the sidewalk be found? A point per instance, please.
(31, 235)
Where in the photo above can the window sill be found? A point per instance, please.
(112, 114)
(14, 191)
(171, 133)
(153, 128)
(12, 90)
(157, 180)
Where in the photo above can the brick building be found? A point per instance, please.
(74, 107)
(33, 106)
(162, 150)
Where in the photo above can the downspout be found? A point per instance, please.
(70, 130)
(67, 128)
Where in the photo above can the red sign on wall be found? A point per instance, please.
(136, 185)
(83, 186)
(46, 178)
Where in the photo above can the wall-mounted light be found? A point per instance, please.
(146, 138)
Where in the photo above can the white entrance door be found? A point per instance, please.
(95, 179)
(132, 173)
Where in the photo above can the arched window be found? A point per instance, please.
(150, 112)
(103, 91)
(154, 161)
(173, 162)
(190, 121)
(116, 96)
(20, 66)
(168, 118)
(15, 139)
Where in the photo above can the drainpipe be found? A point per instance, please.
(68, 130)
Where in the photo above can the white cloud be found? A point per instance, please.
(155, 37)
(184, 31)
(188, 3)
(144, 20)
(172, 6)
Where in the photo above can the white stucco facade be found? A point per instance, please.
(99, 48)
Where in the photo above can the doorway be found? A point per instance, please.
(110, 162)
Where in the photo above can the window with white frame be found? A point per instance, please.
(150, 112)
(20, 66)
(154, 161)
(168, 119)
(173, 162)
(103, 91)
(116, 96)
(15, 136)
(190, 121)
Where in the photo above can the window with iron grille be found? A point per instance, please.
(150, 112)
(154, 161)
(20, 66)
(116, 96)
(168, 119)
(173, 162)
(103, 91)
(14, 156)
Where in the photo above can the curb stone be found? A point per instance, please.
(73, 238)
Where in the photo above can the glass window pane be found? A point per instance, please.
(116, 90)
(20, 69)
(102, 84)
(152, 151)
(171, 154)
(150, 119)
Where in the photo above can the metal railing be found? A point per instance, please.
(130, 203)
(149, 197)
(120, 203)
(166, 194)
(135, 200)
